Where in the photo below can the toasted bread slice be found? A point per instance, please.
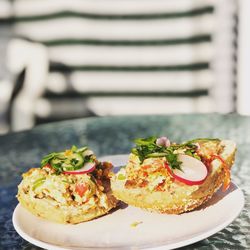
(67, 197)
(174, 197)
(52, 210)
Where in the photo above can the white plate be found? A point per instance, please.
(114, 230)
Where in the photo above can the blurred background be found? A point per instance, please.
(81, 58)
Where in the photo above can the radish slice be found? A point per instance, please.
(193, 171)
(86, 168)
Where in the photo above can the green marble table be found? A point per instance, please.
(114, 135)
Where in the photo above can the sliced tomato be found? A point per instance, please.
(81, 188)
(47, 166)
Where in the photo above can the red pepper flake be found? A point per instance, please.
(160, 186)
(146, 167)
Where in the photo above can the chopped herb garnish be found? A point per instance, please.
(72, 159)
(46, 159)
(148, 148)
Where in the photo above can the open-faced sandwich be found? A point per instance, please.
(174, 178)
(69, 187)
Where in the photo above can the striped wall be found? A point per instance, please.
(131, 48)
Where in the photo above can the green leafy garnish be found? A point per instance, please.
(147, 148)
(46, 159)
(72, 159)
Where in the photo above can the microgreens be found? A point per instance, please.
(148, 148)
(72, 159)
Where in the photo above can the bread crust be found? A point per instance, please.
(57, 199)
(184, 198)
(44, 208)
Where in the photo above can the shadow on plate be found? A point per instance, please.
(219, 195)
